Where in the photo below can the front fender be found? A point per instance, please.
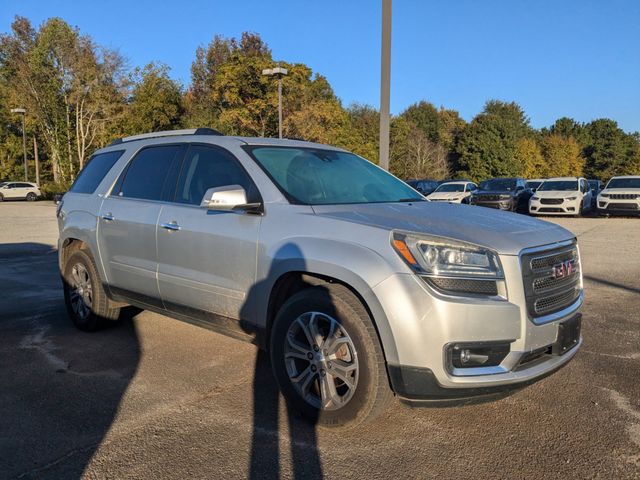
(352, 264)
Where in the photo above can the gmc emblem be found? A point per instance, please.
(563, 269)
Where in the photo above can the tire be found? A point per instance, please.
(1, 198)
(327, 307)
(84, 296)
(31, 197)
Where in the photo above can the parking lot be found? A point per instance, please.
(156, 398)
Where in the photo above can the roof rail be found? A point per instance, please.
(167, 133)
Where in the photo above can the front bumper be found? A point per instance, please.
(424, 323)
(566, 207)
(618, 207)
(497, 204)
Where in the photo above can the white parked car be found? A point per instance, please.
(19, 191)
(453, 192)
(621, 195)
(561, 196)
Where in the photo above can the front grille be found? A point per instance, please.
(488, 198)
(551, 279)
(623, 196)
(551, 210)
(551, 201)
(623, 206)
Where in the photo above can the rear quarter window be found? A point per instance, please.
(94, 171)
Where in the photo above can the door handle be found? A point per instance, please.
(108, 217)
(171, 226)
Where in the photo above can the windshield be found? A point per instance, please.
(428, 185)
(498, 184)
(624, 183)
(450, 187)
(533, 184)
(312, 176)
(561, 185)
(2, 184)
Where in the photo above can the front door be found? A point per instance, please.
(206, 258)
(127, 223)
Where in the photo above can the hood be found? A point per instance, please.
(446, 195)
(621, 190)
(557, 193)
(505, 232)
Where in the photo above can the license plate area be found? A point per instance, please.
(568, 335)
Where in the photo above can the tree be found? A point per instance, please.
(487, 147)
(529, 157)
(562, 156)
(156, 101)
(364, 129)
(413, 155)
(610, 151)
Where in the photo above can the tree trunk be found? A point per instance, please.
(37, 160)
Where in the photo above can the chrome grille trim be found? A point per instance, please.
(545, 292)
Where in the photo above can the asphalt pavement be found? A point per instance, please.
(154, 398)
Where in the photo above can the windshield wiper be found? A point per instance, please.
(410, 200)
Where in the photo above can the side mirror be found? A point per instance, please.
(229, 197)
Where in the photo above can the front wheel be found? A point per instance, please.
(327, 358)
(84, 296)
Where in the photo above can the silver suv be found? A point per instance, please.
(357, 286)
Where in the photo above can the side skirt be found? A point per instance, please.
(230, 327)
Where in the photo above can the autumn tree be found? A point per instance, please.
(413, 155)
(562, 156)
(528, 157)
(156, 101)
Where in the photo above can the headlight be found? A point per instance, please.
(571, 198)
(535, 198)
(505, 197)
(440, 257)
(604, 195)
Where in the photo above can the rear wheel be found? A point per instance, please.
(86, 301)
(327, 358)
(31, 197)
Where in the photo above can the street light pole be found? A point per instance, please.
(23, 112)
(385, 84)
(278, 72)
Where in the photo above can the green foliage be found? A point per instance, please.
(156, 101)
(487, 147)
(51, 189)
(562, 156)
(611, 151)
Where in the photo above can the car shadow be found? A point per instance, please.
(266, 458)
(60, 389)
(608, 283)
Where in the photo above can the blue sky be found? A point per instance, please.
(555, 58)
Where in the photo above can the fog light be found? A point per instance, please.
(478, 355)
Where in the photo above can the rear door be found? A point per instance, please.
(128, 218)
(206, 258)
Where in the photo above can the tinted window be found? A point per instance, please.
(503, 184)
(145, 176)
(25, 185)
(94, 171)
(563, 185)
(533, 185)
(624, 183)
(208, 167)
(450, 187)
(321, 177)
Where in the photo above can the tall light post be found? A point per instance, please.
(23, 112)
(385, 84)
(278, 72)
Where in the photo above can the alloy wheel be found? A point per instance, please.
(321, 360)
(81, 291)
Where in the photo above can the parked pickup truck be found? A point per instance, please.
(358, 287)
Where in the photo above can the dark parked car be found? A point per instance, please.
(596, 187)
(503, 193)
(424, 186)
(533, 184)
